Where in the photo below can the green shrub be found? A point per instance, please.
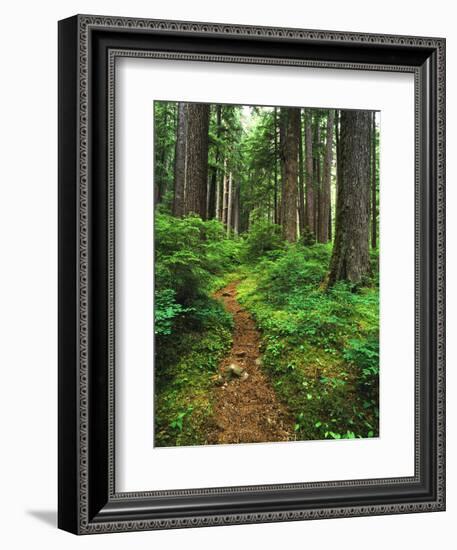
(166, 311)
(263, 237)
(189, 253)
(207, 313)
(364, 354)
(292, 272)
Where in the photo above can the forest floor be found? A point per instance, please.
(252, 348)
(245, 406)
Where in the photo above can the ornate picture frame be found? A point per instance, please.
(88, 500)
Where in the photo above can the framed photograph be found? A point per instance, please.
(251, 274)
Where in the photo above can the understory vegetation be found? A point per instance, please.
(192, 329)
(319, 345)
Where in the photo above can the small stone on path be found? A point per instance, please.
(235, 369)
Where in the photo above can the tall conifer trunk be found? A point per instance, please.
(229, 203)
(309, 198)
(324, 202)
(291, 145)
(374, 217)
(301, 182)
(215, 170)
(180, 161)
(196, 159)
(350, 259)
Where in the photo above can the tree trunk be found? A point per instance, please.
(180, 161)
(236, 213)
(282, 145)
(337, 153)
(317, 171)
(324, 203)
(224, 194)
(162, 183)
(218, 198)
(330, 229)
(276, 212)
(213, 182)
(291, 143)
(197, 159)
(350, 259)
(309, 203)
(229, 204)
(301, 183)
(374, 217)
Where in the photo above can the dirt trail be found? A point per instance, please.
(246, 409)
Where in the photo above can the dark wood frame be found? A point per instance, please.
(88, 46)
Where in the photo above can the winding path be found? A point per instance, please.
(246, 409)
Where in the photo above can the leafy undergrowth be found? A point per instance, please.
(184, 368)
(192, 330)
(320, 347)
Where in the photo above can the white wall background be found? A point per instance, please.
(28, 289)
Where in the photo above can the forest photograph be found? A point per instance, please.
(266, 273)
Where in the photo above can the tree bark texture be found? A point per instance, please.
(317, 171)
(309, 202)
(180, 161)
(350, 259)
(301, 182)
(324, 203)
(282, 146)
(224, 194)
(275, 200)
(229, 204)
(291, 144)
(215, 171)
(374, 213)
(196, 159)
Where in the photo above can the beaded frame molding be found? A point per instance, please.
(88, 48)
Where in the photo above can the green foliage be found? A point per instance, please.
(261, 159)
(166, 311)
(294, 271)
(364, 354)
(320, 347)
(263, 237)
(206, 312)
(189, 252)
(178, 420)
(193, 330)
(183, 372)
